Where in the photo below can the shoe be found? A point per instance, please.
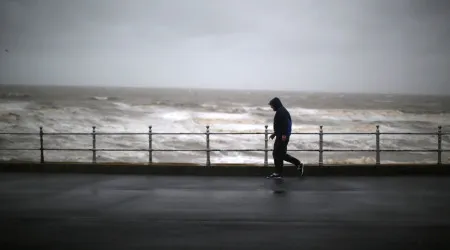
(300, 168)
(274, 175)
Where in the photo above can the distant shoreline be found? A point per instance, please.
(275, 92)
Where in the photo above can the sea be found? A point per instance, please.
(69, 109)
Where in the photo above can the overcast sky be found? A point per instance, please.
(310, 45)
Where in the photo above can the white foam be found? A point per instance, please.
(302, 111)
(176, 115)
(209, 105)
(100, 98)
(220, 116)
(169, 119)
(236, 127)
(366, 115)
(124, 106)
(13, 106)
(303, 128)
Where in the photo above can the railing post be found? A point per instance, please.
(377, 142)
(41, 139)
(266, 147)
(439, 162)
(150, 150)
(208, 159)
(94, 151)
(321, 145)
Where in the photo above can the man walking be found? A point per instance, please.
(282, 126)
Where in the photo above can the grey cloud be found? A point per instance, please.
(352, 45)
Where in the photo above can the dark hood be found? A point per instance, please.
(276, 103)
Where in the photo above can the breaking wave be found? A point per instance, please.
(104, 98)
(114, 114)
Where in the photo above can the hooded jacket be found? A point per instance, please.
(282, 123)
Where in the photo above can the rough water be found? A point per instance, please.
(77, 109)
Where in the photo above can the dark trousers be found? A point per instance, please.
(280, 154)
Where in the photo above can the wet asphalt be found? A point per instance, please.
(75, 211)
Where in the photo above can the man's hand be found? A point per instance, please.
(272, 136)
(283, 138)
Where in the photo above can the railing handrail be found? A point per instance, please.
(224, 133)
(94, 133)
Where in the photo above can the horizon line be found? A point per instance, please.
(225, 89)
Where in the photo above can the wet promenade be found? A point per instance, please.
(82, 211)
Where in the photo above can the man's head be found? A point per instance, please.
(275, 104)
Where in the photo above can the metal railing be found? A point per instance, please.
(439, 133)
